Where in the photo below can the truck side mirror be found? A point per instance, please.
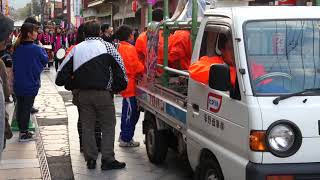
(219, 77)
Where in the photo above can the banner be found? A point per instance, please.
(52, 10)
(149, 77)
(287, 2)
(5, 9)
(77, 7)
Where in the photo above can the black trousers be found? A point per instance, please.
(57, 63)
(24, 105)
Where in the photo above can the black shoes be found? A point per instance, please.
(112, 165)
(105, 165)
(91, 164)
(34, 110)
(25, 136)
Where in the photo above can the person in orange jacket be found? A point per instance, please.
(199, 70)
(180, 50)
(141, 46)
(134, 67)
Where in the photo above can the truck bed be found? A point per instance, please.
(165, 103)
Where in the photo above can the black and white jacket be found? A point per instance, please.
(93, 64)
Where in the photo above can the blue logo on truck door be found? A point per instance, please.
(214, 102)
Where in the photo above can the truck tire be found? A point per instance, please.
(209, 169)
(156, 142)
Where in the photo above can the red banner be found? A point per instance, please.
(287, 2)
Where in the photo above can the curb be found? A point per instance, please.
(44, 168)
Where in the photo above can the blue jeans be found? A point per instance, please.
(129, 118)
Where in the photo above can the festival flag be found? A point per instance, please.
(7, 8)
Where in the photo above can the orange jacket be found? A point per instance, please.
(257, 71)
(180, 50)
(133, 67)
(199, 71)
(141, 46)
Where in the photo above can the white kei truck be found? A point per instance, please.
(266, 126)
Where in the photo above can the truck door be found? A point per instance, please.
(217, 121)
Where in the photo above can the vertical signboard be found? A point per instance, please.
(52, 10)
(77, 7)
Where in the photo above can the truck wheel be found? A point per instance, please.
(156, 143)
(209, 170)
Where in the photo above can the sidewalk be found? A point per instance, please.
(19, 160)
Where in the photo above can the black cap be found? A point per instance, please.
(6, 27)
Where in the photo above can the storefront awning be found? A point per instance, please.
(125, 11)
(123, 15)
(90, 12)
(95, 3)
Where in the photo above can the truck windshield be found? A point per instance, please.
(283, 56)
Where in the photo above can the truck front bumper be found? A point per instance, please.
(300, 171)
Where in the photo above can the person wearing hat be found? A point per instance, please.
(6, 27)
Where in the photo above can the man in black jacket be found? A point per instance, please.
(96, 70)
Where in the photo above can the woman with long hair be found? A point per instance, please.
(29, 60)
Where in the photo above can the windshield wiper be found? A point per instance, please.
(286, 96)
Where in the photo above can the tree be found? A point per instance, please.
(36, 7)
(24, 12)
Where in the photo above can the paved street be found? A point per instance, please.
(138, 165)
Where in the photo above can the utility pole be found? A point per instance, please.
(42, 3)
(111, 18)
(54, 9)
(31, 9)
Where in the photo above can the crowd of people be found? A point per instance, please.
(109, 67)
(98, 64)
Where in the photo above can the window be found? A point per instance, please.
(283, 56)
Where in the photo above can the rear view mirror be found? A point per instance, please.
(219, 77)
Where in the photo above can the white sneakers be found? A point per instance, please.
(131, 143)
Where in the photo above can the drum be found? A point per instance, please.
(60, 54)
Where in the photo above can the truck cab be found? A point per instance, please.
(257, 116)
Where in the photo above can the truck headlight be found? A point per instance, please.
(283, 138)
